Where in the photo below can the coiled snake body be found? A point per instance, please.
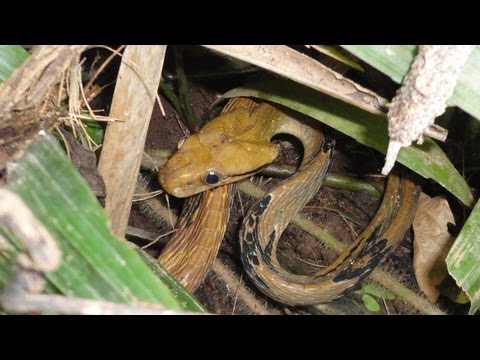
(236, 145)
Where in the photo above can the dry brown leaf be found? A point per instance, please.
(28, 97)
(287, 62)
(432, 243)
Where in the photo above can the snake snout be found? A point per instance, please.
(177, 183)
(176, 177)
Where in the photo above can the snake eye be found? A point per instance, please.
(212, 177)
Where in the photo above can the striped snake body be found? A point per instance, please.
(233, 147)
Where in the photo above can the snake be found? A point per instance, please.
(236, 145)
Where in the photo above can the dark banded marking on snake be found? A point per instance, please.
(355, 263)
(249, 126)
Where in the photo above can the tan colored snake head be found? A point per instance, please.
(229, 148)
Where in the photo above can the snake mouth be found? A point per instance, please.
(183, 191)
(173, 187)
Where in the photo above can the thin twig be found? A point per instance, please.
(145, 196)
(158, 238)
(237, 192)
(160, 105)
(104, 64)
(141, 233)
(241, 292)
(385, 305)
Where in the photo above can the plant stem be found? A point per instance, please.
(351, 183)
(183, 90)
(171, 97)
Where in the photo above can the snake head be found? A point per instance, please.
(207, 160)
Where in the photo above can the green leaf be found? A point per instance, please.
(94, 130)
(428, 160)
(464, 259)
(369, 292)
(186, 300)
(370, 303)
(392, 60)
(95, 264)
(11, 57)
(377, 292)
(395, 60)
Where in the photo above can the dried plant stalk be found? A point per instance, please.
(26, 97)
(423, 96)
(133, 102)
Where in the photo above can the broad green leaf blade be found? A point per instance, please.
(467, 92)
(392, 60)
(95, 264)
(11, 57)
(427, 160)
(464, 259)
(395, 60)
(186, 300)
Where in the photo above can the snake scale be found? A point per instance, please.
(236, 145)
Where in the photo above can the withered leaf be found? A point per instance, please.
(432, 243)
